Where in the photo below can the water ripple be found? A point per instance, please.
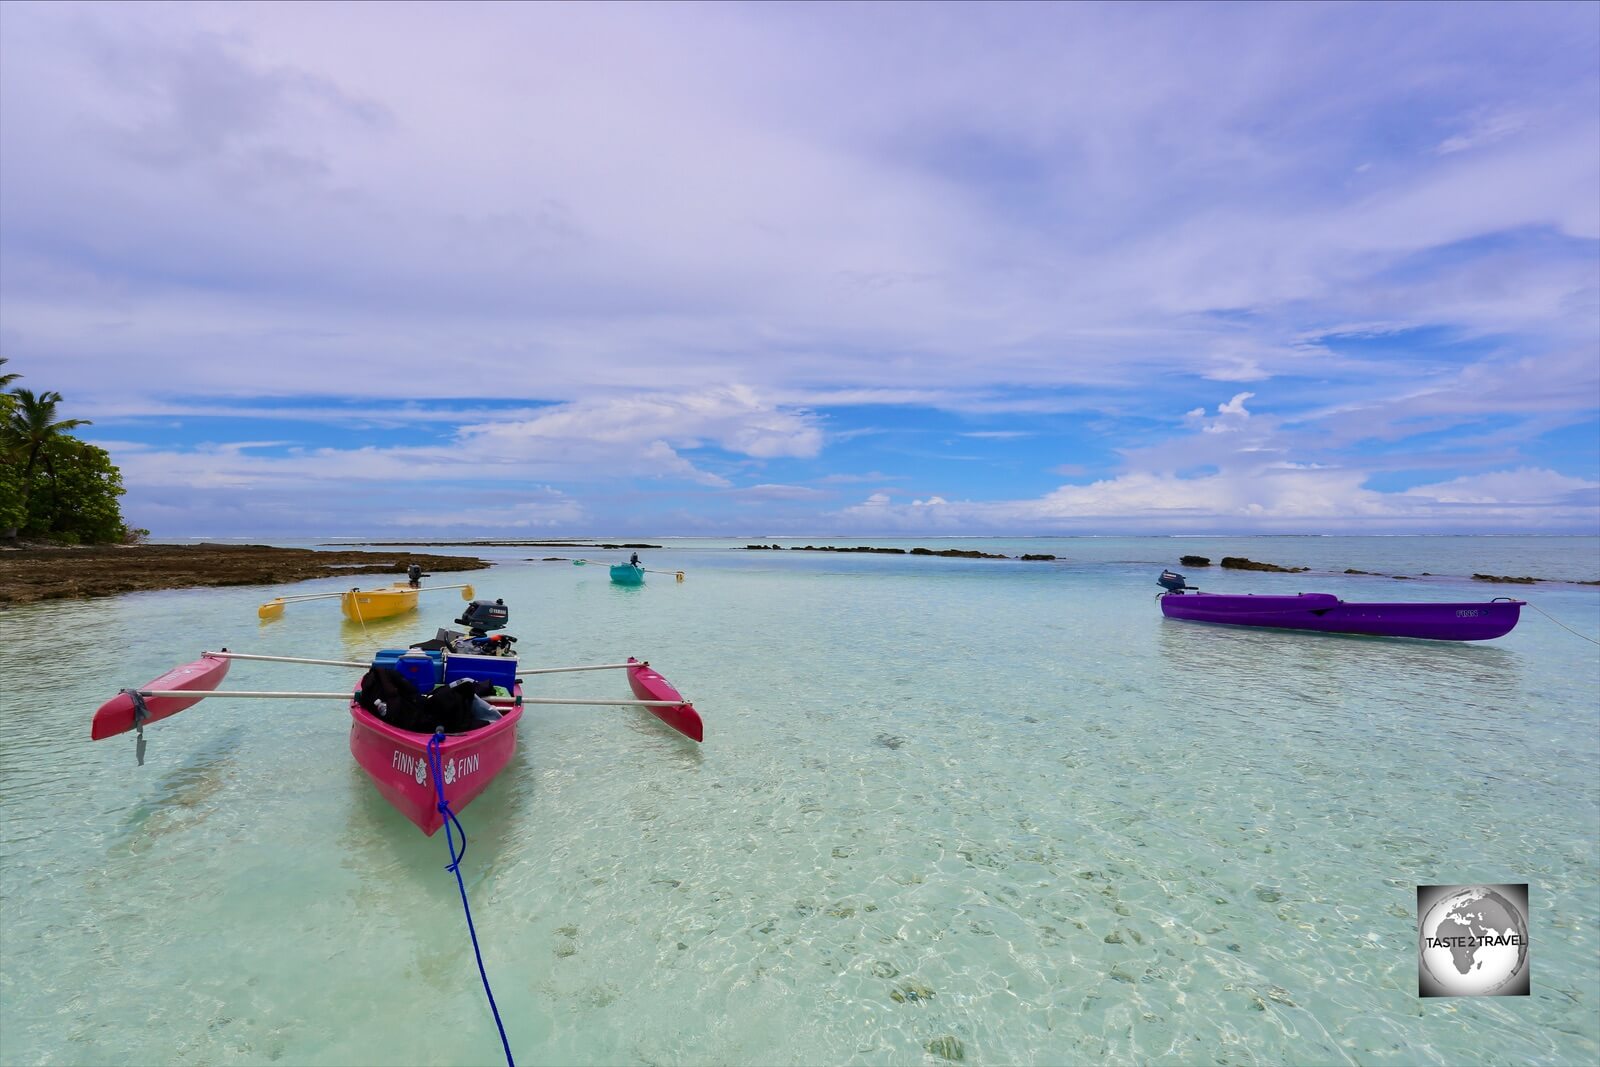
(1022, 820)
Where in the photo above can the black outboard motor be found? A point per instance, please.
(1173, 582)
(481, 616)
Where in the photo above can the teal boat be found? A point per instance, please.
(627, 574)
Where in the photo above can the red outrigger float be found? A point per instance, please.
(647, 684)
(119, 714)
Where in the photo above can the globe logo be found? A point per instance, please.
(1473, 941)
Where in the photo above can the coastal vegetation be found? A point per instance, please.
(53, 486)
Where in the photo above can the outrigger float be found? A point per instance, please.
(1326, 613)
(465, 688)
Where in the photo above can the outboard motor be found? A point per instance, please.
(481, 616)
(1173, 582)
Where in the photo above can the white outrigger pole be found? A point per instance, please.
(225, 654)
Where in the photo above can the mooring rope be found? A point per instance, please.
(355, 602)
(434, 761)
(1559, 623)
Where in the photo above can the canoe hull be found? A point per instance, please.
(627, 574)
(397, 763)
(1325, 613)
(647, 684)
(115, 716)
(364, 605)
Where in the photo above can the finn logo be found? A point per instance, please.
(1472, 941)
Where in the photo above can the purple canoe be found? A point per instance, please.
(1325, 612)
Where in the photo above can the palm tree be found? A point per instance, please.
(6, 400)
(31, 424)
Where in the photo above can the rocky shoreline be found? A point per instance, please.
(954, 553)
(1241, 564)
(32, 574)
(1233, 563)
(580, 543)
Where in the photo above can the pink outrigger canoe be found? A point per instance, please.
(397, 762)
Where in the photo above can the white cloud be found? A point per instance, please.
(1235, 406)
(735, 417)
(1271, 497)
(768, 491)
(1523, 487)
(998, 212)
(552, 510)
(1483, 129)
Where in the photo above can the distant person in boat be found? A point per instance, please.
(414, 575)
(634, 559)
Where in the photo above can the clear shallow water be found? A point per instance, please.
(998, 802)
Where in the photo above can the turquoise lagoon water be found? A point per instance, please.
(992, 809)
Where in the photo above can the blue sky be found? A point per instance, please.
(813, 269)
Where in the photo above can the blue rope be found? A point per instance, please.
(434, 760)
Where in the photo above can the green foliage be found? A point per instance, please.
(74, 494)
(53, 485)
(13, 508)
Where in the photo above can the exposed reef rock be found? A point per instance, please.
(953, 553)
(857, 548)
(1504, 579)
(33, 574)
(1239, 563)
(489, 544)
(1194, 561)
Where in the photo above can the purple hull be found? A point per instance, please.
(1325, 612)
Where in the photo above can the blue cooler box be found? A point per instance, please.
(496, 670)
(387, 658)
(421, 669)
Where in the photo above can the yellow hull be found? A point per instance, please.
(364, 605)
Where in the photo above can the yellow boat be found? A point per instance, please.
(364, 605)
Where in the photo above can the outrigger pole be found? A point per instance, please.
(357, 664)
(647, 570)
(274, 607)
(499, 701)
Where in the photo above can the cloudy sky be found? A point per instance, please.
(761, 269)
